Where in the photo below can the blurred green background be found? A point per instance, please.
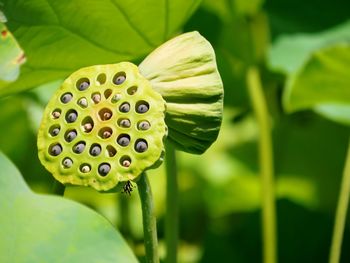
(220, 193)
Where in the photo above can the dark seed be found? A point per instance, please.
(119, 80)
(55, 131)
(141, 146)
(71, 116)
(144, 125)
(125, 123)
(84, 85)
(56, 150)
(124, 140)
(79, 148)
(67, 97)
(125, 107)
(71, 136)
(142, 108)
(67, 163)
(95, 150)
(104, 169)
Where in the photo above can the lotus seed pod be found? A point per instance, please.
(100, 142)
(125, 123)
(79, 147)
(142, 107)
(183, 70)
(83, 102)
(95, 150)
(116, 98)
(125, 107)
(144, 125)
(66, 98)
(56, 114)
(70, 136)
(67, 163)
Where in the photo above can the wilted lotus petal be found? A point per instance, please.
(184, 72)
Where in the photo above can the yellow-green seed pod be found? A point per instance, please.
(104, 125)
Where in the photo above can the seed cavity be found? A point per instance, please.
(111, 151)
(70, 135)
(107, 93)
(54, 130)
(142, 106)
(116, 98)
(125, 161)
(96, 97)
(82, 102)
(119, 78)
(101, 79)
(83, 84)
(55, 149)
(125, 123)
(105, 114)
(105, 132)
(95, 149)
(132, 90)
(87, 124)
(103, 169)
(67, 97)
(56, 113)
(79, 147)
(67, 162)
(125, 107)
(71, 116)
(123, 140)
(141, 145)
(143, 125)
(85, 168)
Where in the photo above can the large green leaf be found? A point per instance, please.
(61, 36)
(39, 228)
(324, 80)
(289, 52)
(291, 16)
(11, 56)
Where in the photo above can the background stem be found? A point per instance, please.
(341, 212)
(172, 211)
(58, 188)
(148, 219)
(266, 165)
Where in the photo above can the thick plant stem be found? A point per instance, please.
(58, 188)
(125, 216)
(341, 212)
(172, 211)
(266, 166)
(148, 220)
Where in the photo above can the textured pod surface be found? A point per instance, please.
(89, 137)
(183, 70)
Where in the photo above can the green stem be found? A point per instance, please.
(340, 217)
(58, 188)
(125, 216)
(266, 165)
(172, 211)
(148, 220)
